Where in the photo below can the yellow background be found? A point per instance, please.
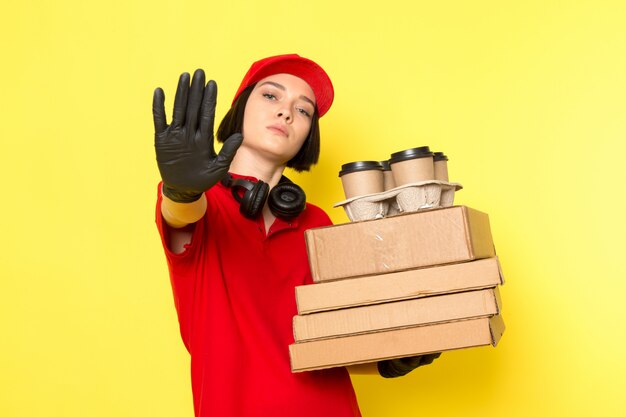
(528, 99)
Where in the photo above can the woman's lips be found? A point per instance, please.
(278, 129)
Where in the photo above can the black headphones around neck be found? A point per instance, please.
(286, 200)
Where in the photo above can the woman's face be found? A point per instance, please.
(277, 118)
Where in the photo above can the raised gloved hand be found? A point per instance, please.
(184, 149)
(393, 368)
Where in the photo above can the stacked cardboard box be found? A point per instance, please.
(401, 286)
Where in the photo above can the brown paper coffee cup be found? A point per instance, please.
(412, 165)
(361, 178)
(441, 166)
(388, 181)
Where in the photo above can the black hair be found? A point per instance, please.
(232, 122)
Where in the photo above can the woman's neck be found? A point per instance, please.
(251, 164)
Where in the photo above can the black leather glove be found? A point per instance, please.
(393, 368)
(184, 149)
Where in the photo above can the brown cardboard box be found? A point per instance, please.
(401, 314)
(426, 238)
(373, 347)
(414, 283)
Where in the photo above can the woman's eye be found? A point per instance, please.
(269, 96)
(304, 112)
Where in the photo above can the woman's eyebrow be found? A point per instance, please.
(282, 87)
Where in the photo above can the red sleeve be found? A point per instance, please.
(182, 267)
(164, 232)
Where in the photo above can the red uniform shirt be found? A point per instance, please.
(234, 294)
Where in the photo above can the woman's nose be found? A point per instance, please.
(284, 113)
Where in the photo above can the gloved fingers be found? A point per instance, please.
(180, 102)
(428, 359)
(207, 114)
(195, 98)
(393, 368)
(228, 151)
(158, 111)
(411, 361)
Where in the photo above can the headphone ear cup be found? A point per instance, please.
(253, 200)
(287, 200)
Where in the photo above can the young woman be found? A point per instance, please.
(233, 231)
